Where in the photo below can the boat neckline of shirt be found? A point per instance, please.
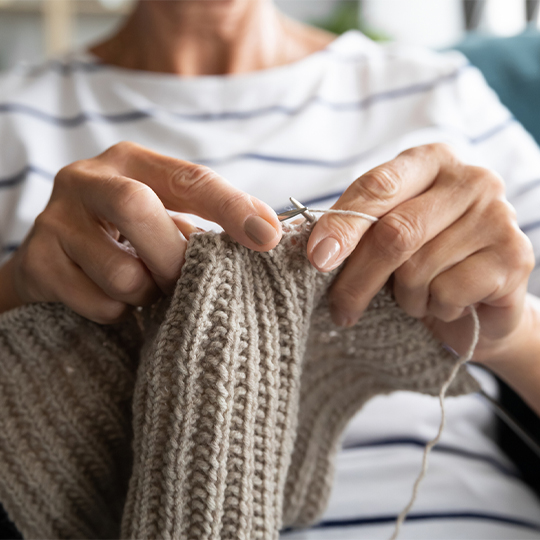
(339, 46)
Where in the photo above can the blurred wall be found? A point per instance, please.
(22, 33)
(21, 37)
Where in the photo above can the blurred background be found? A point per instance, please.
(31, 30)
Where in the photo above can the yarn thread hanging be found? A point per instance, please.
(431, 444)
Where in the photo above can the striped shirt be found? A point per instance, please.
(307, 129)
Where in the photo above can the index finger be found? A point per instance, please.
(376, 193)
(188, 187)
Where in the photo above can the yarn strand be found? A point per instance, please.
(352, 213)
(430, 445)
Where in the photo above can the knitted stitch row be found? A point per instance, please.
(218, 417)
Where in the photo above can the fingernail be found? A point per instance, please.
(259, 230)
(325, 253)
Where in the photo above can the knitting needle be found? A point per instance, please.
(300, 209)
(512, 423)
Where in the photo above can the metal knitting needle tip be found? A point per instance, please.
(305, 212)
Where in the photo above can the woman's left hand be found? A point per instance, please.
(447, 235)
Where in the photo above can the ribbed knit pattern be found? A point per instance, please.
(66, 389)
(243, 389)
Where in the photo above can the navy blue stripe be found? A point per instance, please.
(429, 516)
(493, 131)
(67, 68)
(407, 91)
(363, 104)
(10, 248)
(11, 181)
(73, 66)
(131, 116)
(289, 160)
(244, 115)
(19, 177)
(438, 448)
(73, 121)
(528, 227)
(330, 164)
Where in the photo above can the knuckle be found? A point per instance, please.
(496, 182)
(379, 185)
(426, 151)
(442, 149)
(419, 152)
(444, 296)
(441, 293)
(489, 182)
(136, 201)
(42, 221)
(116, 182)
(121, 150)
(398, 236)
(409, 275)
(507, 213)
(448, 314)
(48, 224)
(125, 279)
(189, 181)
(69, 174)
(502, 217)
(521, 253)
(235, 203)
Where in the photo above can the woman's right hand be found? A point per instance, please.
(75, 253)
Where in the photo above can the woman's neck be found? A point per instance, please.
(209, 37)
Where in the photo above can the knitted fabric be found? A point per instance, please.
(218, 416)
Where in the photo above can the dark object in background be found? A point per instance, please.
(524, 458)
(532, 7)
(473, 10)
(8, 531)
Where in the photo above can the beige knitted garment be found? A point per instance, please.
(218, 416)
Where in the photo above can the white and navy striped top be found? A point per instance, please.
(307, 129)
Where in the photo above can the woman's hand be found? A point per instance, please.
(448, 237)
(75, 253)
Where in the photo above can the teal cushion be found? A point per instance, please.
(511, 67)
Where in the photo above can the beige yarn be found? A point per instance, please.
(232, 397)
